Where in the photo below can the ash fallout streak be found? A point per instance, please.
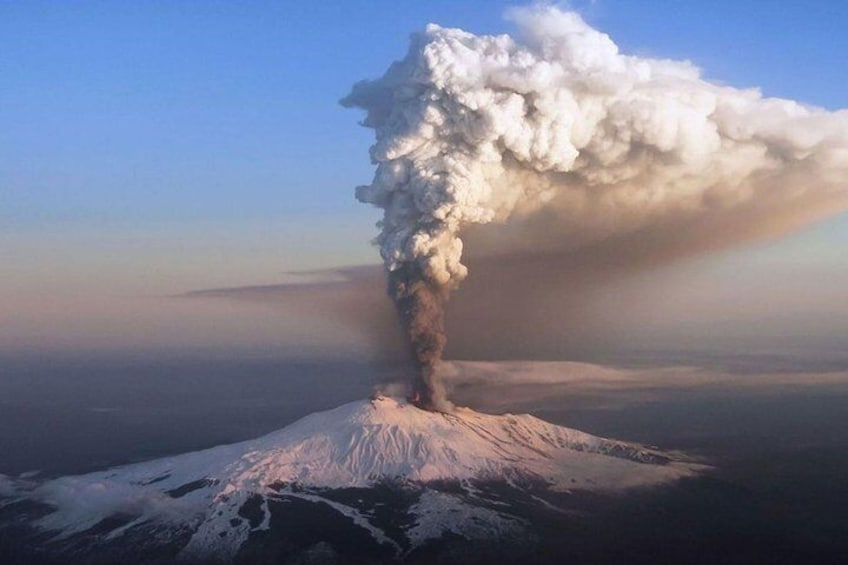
(565, 143)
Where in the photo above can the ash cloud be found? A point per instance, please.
(552, 147)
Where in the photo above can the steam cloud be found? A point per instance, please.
(558, 133)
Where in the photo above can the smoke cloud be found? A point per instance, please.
(567, 145)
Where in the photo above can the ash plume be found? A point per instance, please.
(421, 306)
(565, 144)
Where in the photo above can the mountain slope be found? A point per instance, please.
(212, 501)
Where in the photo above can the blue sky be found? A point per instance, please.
(125, 113)
(156, 147)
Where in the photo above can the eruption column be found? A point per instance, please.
(420, 305)
(573, 143)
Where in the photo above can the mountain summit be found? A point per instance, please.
(379, 468)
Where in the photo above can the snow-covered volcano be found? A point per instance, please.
(213, 501)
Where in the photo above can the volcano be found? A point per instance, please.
(380, 478)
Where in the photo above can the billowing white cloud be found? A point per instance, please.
(556, 128)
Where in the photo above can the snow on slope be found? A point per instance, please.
(355, 445)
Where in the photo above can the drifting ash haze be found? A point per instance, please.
(399, 476)
(570, 148)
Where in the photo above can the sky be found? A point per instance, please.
(151, 149)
